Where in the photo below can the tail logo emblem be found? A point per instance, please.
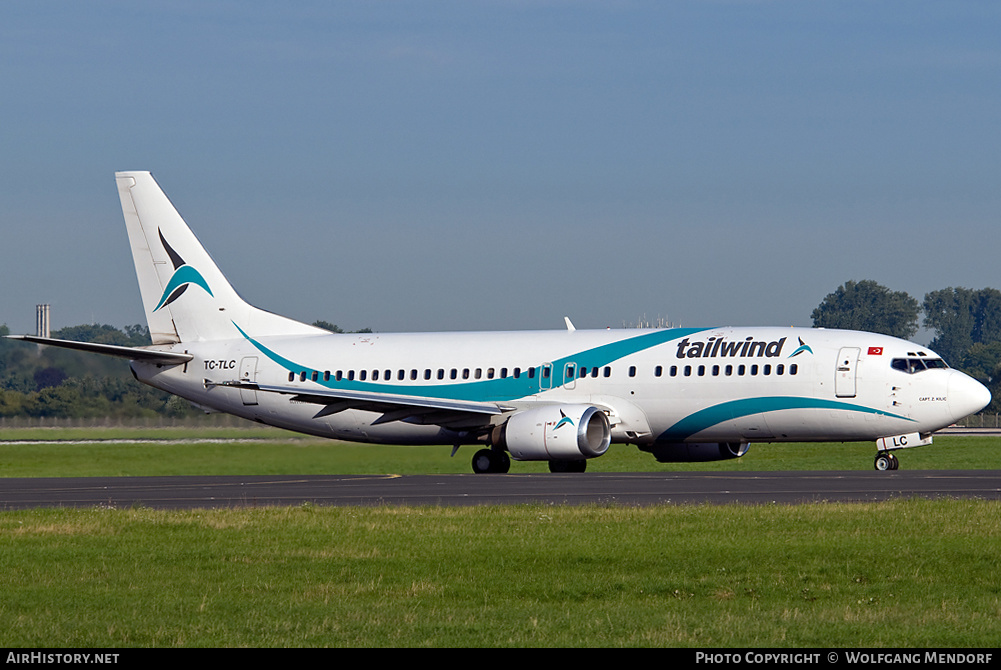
(183, 277)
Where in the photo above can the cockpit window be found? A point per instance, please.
(913, 365)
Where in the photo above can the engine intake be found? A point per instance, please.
(555, 433)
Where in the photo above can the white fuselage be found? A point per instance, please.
(559, 396)
(665, 385)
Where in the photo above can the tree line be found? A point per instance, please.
(46, 381)
(37, 381)
(966, 323)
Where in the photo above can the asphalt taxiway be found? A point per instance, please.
(443, 490)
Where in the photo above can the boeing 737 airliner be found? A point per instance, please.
(562, 396)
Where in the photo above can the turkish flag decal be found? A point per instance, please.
(875, 351)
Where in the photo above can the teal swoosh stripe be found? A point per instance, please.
(493, 390)
(284, 362)
(711, 416)
(183, 275)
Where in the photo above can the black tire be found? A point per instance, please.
(567, 466)
(483, 461)
(488, 461)
(503, 462)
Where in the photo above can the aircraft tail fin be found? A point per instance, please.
(185, 295)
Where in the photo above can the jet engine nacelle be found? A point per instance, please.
(555, 433)
(687, 452)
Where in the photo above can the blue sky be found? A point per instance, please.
(498, 165)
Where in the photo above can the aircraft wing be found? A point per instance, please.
(131, 353)
(395, 407)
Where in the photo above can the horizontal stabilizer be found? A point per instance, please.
(131, 353)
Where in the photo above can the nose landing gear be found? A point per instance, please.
(885, 460)
(885, 446)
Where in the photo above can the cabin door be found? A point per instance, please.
(248, 374)
(546, 377)
(570, 376)
(844, 379)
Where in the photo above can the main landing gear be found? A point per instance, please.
(491, 461)
(567, 466)
(885, 460)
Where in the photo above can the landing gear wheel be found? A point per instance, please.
(886, 461)
(483, 460)
(881, 463)
(504, 462)
(490, 461)
(567, 466)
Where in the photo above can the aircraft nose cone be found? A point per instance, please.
(966, 395)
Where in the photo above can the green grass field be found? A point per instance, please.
(907, 573)
(258, 450)
(900, 574)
